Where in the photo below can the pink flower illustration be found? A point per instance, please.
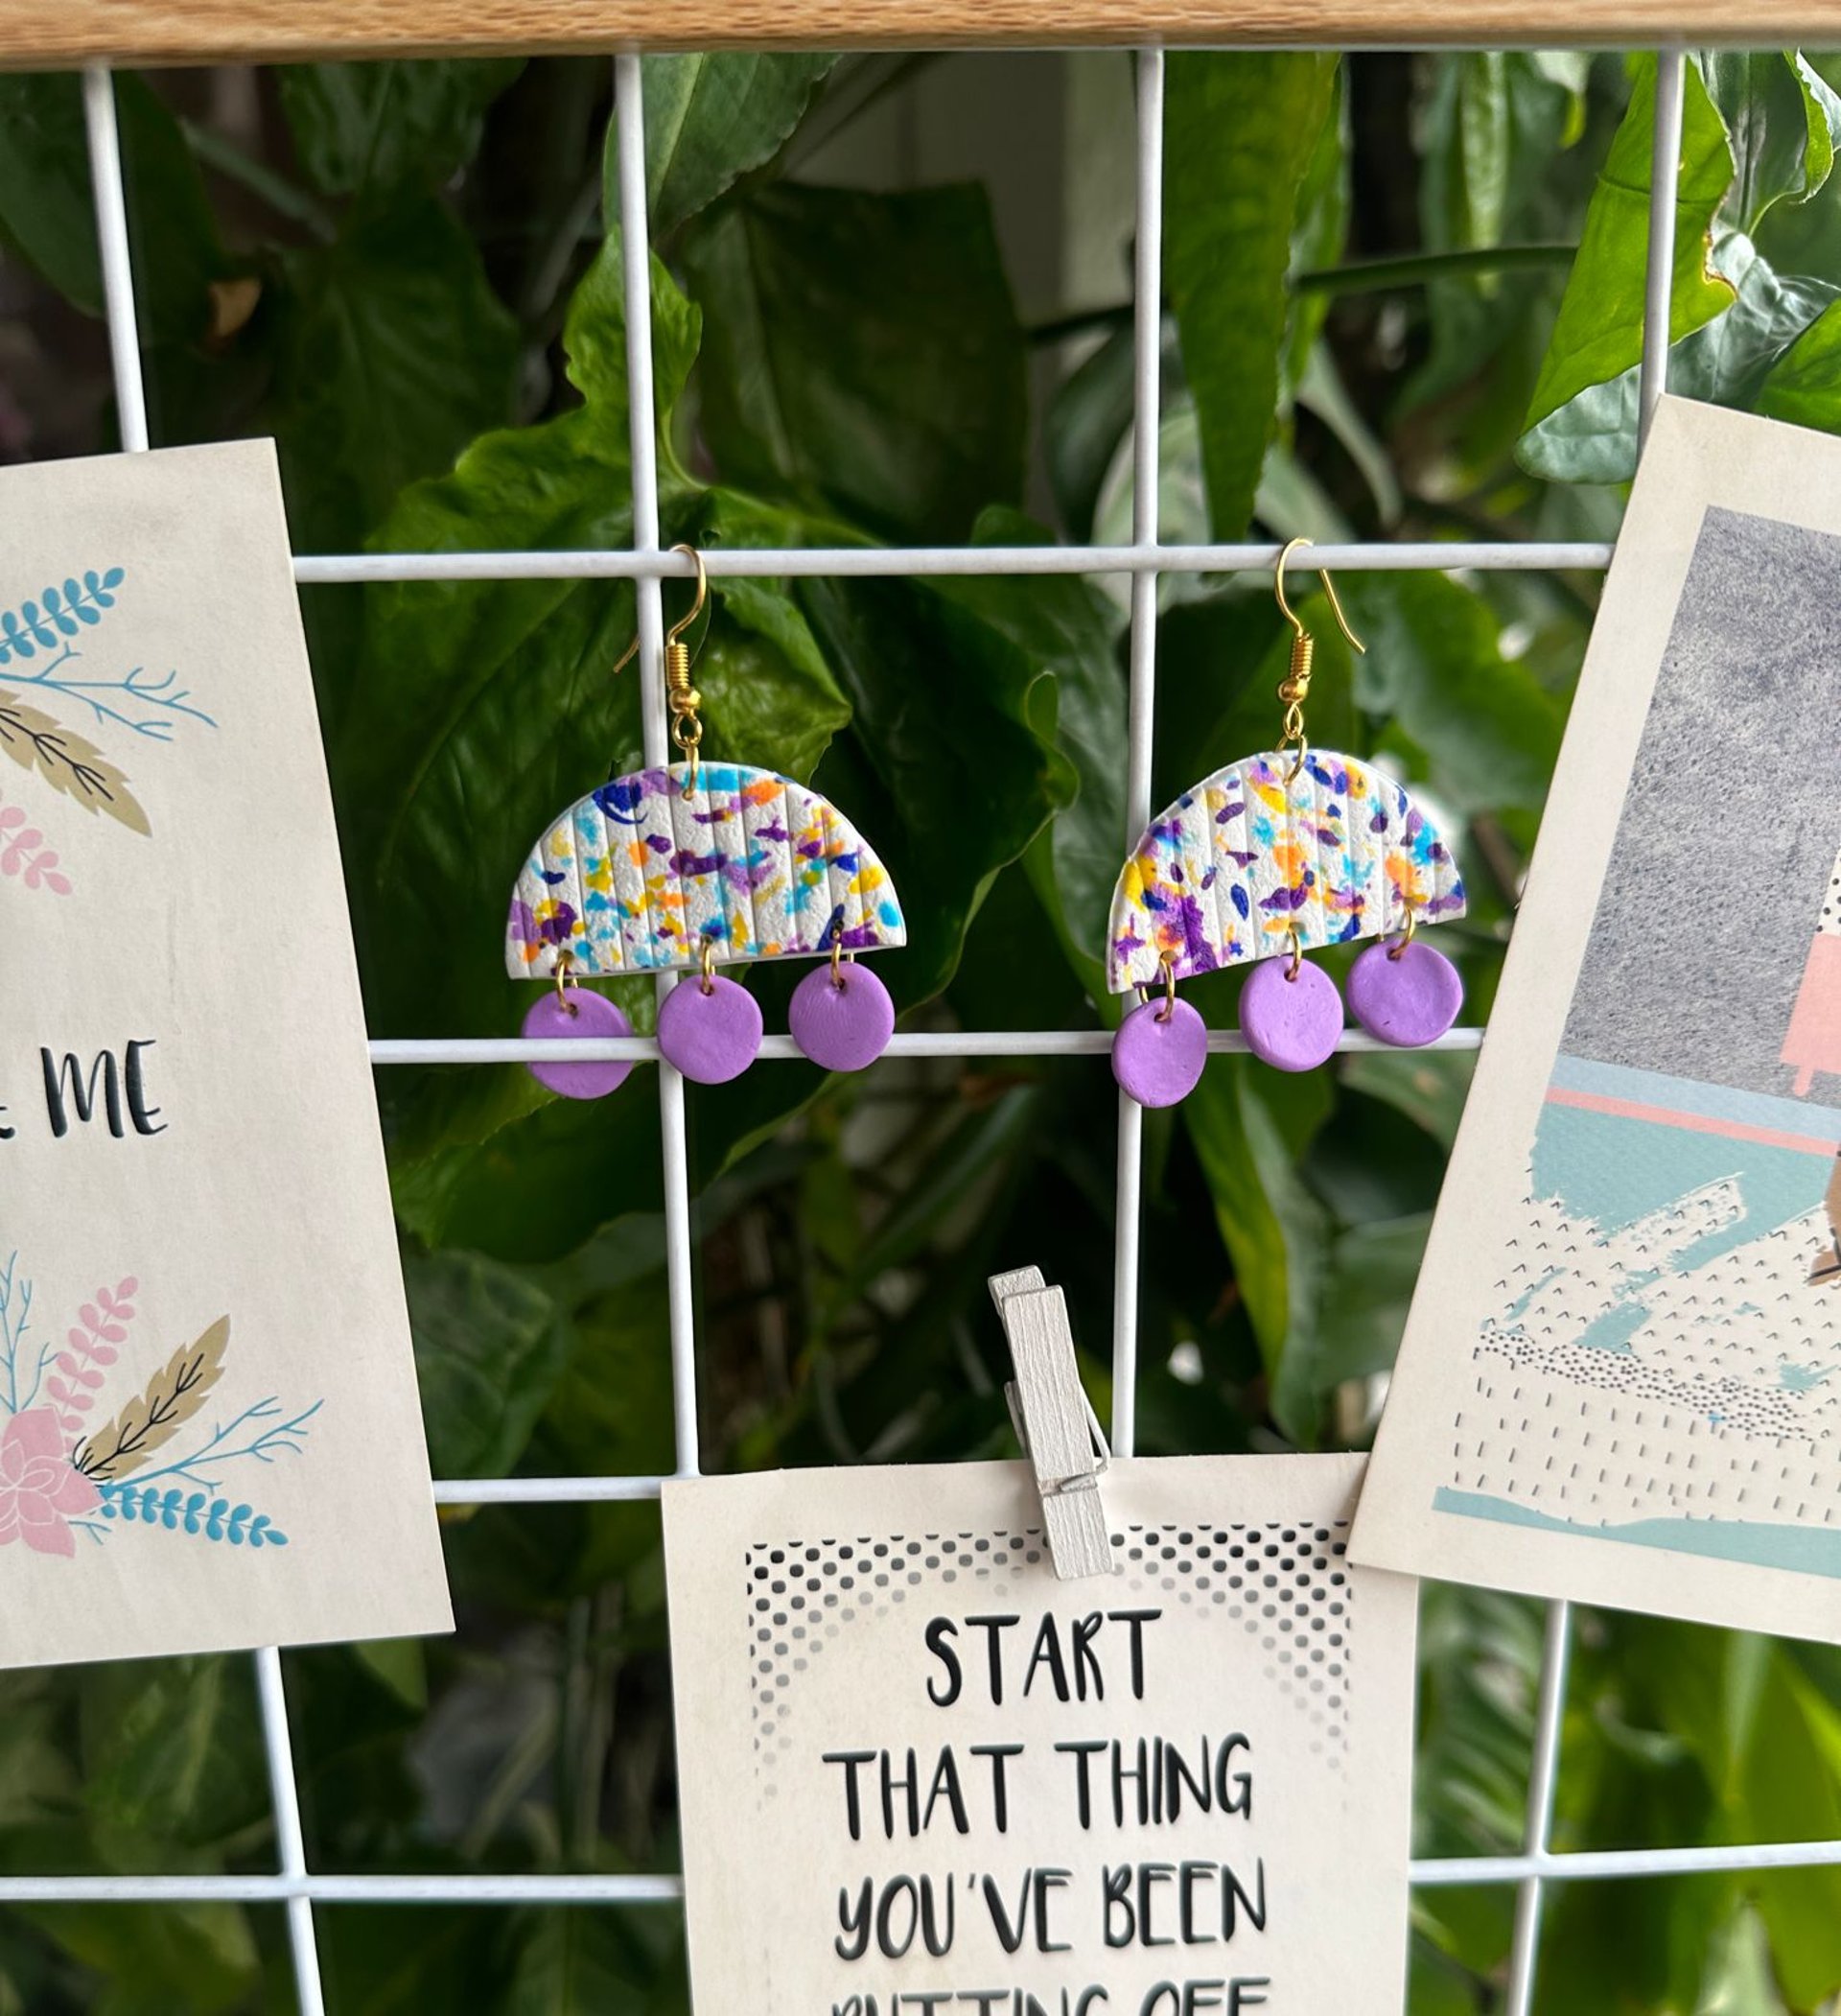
(40, 1489)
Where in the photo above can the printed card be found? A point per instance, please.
(921, 1776)
(209, 1430)
(1622, 1378)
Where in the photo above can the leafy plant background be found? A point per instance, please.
(1403, 299)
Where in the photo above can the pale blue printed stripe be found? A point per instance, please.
(1805, 1549)
(1689, 1095)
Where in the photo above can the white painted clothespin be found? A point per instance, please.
(1055, 1422)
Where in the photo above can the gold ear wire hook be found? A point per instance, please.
(680, 698)
(1294, 690)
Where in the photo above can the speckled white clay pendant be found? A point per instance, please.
(1291, 1015)
(1159, 1052)
(1407, 994)
(709, 1028)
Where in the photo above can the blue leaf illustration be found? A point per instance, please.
(175, 1511)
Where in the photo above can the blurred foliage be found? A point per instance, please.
(1405, 299)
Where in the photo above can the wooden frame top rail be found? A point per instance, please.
(61, 33)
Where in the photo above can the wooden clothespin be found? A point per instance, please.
(1055, 1422)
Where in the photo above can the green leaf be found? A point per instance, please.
(1780, 120)
(393, 353)
(899, 771)
(47, 211)
(1240, 135)
(1728, 363)
(861, 354)
(1489, 328)
(1319, 236)
(585, 1963)
(376, 126)
(198, 1958)
(1087, 418)
(1361, 1312)
(710, 120)
(489, 1347)
(1804, 386)
(172, 1752)
(1598, 335)
(1066, 626)
(1484, 141)
(399, 1666)
(1488, 729)
(612, 1410)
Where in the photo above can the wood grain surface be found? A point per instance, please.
(53, 33)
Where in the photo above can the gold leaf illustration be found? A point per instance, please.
(69, 762)
(173, 1395)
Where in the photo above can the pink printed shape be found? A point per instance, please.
(40, 1491)
(24, 854)
(95, 1342)
(1812, 1043)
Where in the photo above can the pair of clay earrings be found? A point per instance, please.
(692, 866)
(1272, 857)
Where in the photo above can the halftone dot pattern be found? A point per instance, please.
(1621, 1381)
(1287, 1586)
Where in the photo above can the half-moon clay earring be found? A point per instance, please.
(692, 866)
(1281, 853)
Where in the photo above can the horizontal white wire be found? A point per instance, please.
(1603, 1864)
(342, 1889)
(544, 1490)
(782, 1050)
(883, 561)
(1442, 1874)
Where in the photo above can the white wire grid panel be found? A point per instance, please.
(292, 1883)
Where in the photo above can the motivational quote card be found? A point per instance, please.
(921, 1776)
(209, 1428)
(1621, 1380)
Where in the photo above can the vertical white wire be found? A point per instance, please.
(636, 264)
(1664, 178)
(1543, 1778)
(285, 1791)
(1148, 344)
(111, 241)
(130, 406)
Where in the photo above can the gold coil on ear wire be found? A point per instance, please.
(680, 695)
(1294, 690)
(681, 698)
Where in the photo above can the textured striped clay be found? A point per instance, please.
(1341, 851)
(639, 875)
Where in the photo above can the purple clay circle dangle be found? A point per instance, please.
(841, 1016)
(1290, 1013)
(1408, 992)
(1160, 1047)
(710, 1029)
(572, 1015)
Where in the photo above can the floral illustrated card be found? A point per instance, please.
(922, 1776)
(209, 1429)
(1621, 1376)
